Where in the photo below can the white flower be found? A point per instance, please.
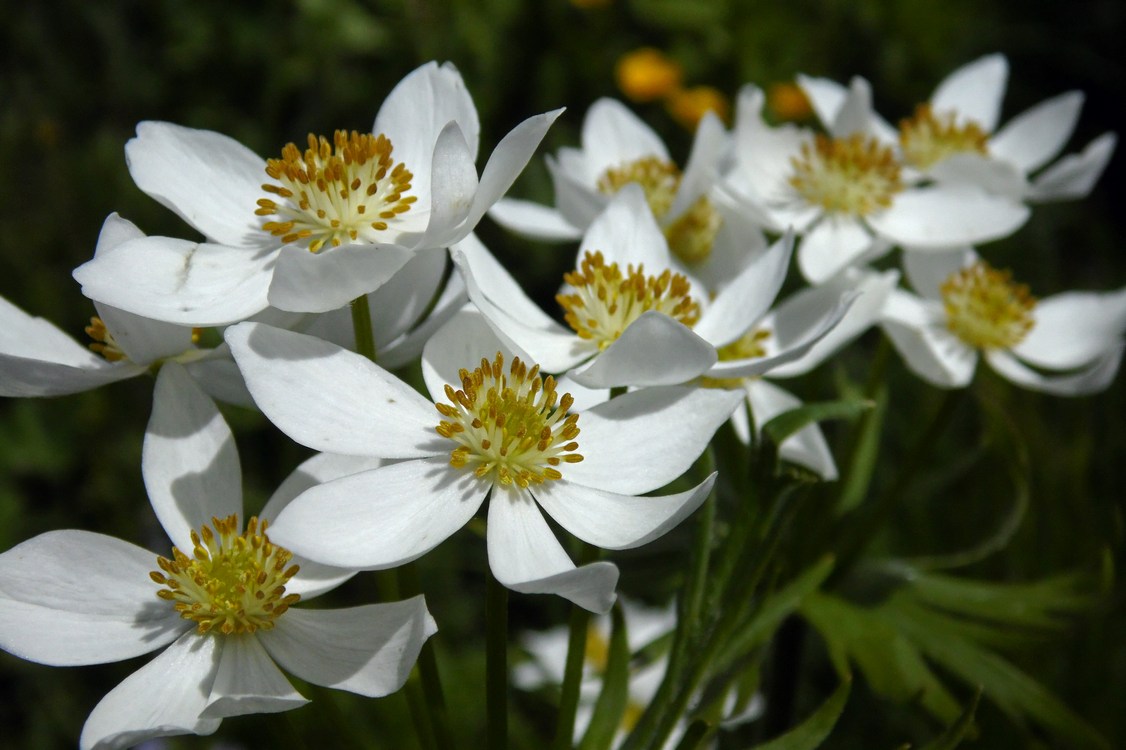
(585, 469)
(967, 309)
(618, 149)
(635, 320)
(75, 597)
(37, 359)
(954, 136)
(846, 193)
(315, 228)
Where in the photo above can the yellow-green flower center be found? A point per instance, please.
(748, 346)
(692, 234)
(605, 301)
(855, 176)
(511, 426)
(349, 190)
(985, 308)
(233, 583)
(928, 138)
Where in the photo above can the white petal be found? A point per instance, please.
(189, 460)
(313, 578)
(1073, 176)
(74, 597)
(825, 96)
(807, 447)
(453, 185)
(856, 111)
(23, 377)
(319, 282)
(702, 170)
(614, 136)
(1032, 138)
(748, 296)
(400, 304)
(974, 91)
(578, 202)
(928, 349)
(653, 350)
(487, 277)
(210, 180)
(144, 340)
(738, 241)
(220, 378)
(613, 521)
(408, 347)
(248, 682)
(926, 271)
(507, 162)
(835, 243)
(1093, 377)
(24, 336)
(644, 439)
(994, 175)
(525, 556)
(1073, 328)
(367, 650)
(163, 698)
(627, 233)
(116, 231)
(533, 220)
(330, 399)
(415, 112)
(179, 281)
(381, 518)
(461, 343)
(946, 216)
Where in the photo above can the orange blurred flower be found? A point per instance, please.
(788, 102)
(647, 74)
(687, 106)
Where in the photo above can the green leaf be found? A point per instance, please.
(612, 701)
(813, 731)
(957, 731)
(788, 423)
(866, 448)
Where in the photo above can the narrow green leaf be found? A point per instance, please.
(612, 701)
(813, 731)
(788, 423)
(957, 731)
(694, 735)
(866, 448)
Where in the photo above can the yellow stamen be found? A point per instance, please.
(104, 343)
(985, 308)
(928, 138)
(233, 583)
(855, 175)
(748, 346)
(605, 301)
(346, 191)
(509, 426)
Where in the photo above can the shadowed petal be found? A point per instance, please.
(248, 682)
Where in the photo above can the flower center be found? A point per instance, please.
(605, 301)
(349, 190)
(985, 308)
(748, 346)
(511, 425)
(855, 175)
(233, 583)
(928, 138)
(104, 343)
(691, 236)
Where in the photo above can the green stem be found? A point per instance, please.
(573, 670)
(361, 327)
(496, 664)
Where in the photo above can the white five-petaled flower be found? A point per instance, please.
(965, 309)
(954, 136)
(37, 359)
(317, 227)
(635, 320)
(496, 427)
(221, 602)
(619, 149)
(846, 192)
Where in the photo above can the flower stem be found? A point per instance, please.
(361, 327)
(496, 664)
(573, 671)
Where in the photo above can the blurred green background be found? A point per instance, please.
(77, 77)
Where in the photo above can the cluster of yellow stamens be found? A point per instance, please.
(233, 583)
(748, 346)
(104, 343)
(856, 176)
(692, 234)
(345, 191)
(928, 138)
(511, 425)
(605, 301)
(985, 308)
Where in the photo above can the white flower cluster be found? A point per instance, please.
(358, 248)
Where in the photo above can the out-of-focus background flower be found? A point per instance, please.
(76, 77)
